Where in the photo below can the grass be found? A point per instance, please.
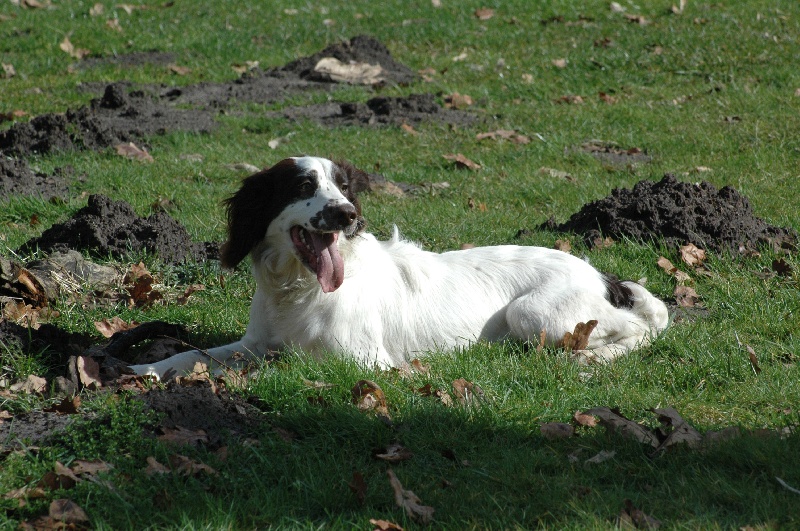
(675, 81)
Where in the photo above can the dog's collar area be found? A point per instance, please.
(319, 252)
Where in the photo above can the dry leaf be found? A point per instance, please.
(193, 288)
(616, 8)
(753, 359)
(570, 99)
(353, 73)
(578, 339)
(89, 372)
(12, 115)
(131, 151)
(183, 436)
(180, 70)
(368, 396)
(189, 467)
(504, 134)
(96, 10)
(614, 421)
(457, 101)
(32, 385)
(637, 19)
(8, 70)
(22, 314)
(358, 487)
(110, 327)
(467, 392)
(395, 453)
(686, 296)
(563, 245)
(318, 384)
(599, 457)
(67, 511)
(631, 516)
(681, 431)
(113, 23)
(677, 10)
(139, 284)
(692, 255)
(68, 47)
(154, 467)
(484, 13)
(409, 129)
(409, 501)
(558, 174)
(560, 63)
(460, 57)
(667, 266)
(583, 419)
(129, 8)
(385, 525)
(556, 430)
(91, 468)
(462, 162)
(67, 406)
(611, 100)
(25, 492)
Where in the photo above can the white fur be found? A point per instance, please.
(398, 301)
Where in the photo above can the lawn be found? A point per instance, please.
(707, 92)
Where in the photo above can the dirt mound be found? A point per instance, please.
(17, 178)
(132, 59)
(359, 49)
(414, 109)
(679, 213)
(117, 117)
(199, 408)
(105, 227)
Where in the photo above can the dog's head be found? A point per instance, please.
(303, 204)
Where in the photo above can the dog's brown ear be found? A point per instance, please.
(251, 210)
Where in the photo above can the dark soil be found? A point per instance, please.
(679, 213)
(115, 118)
(198, 407)
(381, 110)
(359, 49)
(58, 343)
(17, 178)
(129, 59)
(106, 227)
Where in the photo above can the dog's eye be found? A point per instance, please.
(306, 188)
(343, 187)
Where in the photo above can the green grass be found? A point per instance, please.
(675, 81)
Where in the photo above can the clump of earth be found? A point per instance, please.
(380, 110)
(112, 228)
(679, 213)
(17, 178)
(117, 117)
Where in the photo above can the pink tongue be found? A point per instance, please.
(330, 266)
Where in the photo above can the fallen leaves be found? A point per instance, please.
(578, 339)
(8, 70)
(484, 13)
(138, 283)
(332, 69)
(394, 453)
(631, 517)
(133, 152)
(368, 396)
(409, 501)
(466, 392)
(457, 101)
(504, 134)
(69, 48)
(462, 162)
(110, 327)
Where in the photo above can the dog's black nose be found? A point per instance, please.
(340, 216)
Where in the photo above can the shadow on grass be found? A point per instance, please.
(475, 469)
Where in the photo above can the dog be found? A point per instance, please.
(325, 285)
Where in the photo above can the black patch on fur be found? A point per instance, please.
(264, 195)
(617, 293)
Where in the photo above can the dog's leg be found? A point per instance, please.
(216, 358)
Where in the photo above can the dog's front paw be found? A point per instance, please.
(585, 357)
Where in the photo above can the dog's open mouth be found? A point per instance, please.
(320, 252)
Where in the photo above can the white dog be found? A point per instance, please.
(324, 285)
